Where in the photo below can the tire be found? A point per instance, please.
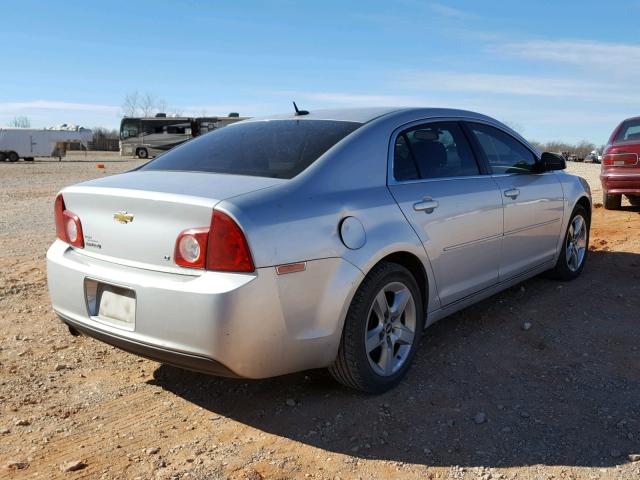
(364, 367)
(634, 200)
(611, 202)
(13, 157)
(142, 153)
(575, 247)
(3, 157)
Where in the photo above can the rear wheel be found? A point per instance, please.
(13, 157)
(611, 202)
(575, 247)
(381, 331)
(3, 156)
(143, 153)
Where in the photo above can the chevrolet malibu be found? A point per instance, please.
(316, 239)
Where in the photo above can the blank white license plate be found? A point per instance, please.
(117, 304)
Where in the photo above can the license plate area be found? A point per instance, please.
(111, 304)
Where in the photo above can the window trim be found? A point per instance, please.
(480, 152)
(391, 180)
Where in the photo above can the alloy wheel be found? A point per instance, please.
(576, 243)
(391, 328)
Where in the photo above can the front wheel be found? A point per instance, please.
(381, 331)
(575, 247)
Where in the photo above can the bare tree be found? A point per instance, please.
(20, 122)
(137, 105)
(148, 105)
(104, 139)
(130, 105)
(584, 148)
(161, 105)
(580, 150)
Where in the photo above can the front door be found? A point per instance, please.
(455, 209)
(533, 202)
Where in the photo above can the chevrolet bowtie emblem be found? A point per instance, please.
(123, 217)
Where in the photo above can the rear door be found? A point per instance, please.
(454, 207)
(533, 202)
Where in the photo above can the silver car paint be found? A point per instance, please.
(264, 324)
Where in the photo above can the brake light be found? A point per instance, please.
(222, 246)
(227, 249)
(68, 225)
(620, 159)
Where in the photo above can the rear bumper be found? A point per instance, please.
(158, 354)
(621, 182)
(248, 325)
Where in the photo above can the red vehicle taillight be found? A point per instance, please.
(221, 247)
(620, 159)
(68, 226)
(191, 248)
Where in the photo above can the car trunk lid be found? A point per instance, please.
(135, 218)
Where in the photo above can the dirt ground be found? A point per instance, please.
(561, 399)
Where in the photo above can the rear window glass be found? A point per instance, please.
(629, 132)
(271, 148)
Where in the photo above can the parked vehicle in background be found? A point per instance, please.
(620, 174)
(322, 239)
(593, 157)
(28, 143)
(147, 137)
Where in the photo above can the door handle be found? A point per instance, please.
(427, 205)
(512, 193)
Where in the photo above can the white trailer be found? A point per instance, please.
(27, 143)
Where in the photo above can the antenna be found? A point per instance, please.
(298, 111)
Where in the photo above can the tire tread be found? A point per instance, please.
(344, 369)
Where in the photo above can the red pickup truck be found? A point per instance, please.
(620, 174)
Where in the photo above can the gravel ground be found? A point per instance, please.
(539, 382)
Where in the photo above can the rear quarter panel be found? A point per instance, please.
(300, 220)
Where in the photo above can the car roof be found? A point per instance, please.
(364, 115)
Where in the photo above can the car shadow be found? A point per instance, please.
(543, 373)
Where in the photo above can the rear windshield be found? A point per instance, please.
(630, 131)
(270, 148)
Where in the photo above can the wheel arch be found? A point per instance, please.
(586, 203)
(415, 266)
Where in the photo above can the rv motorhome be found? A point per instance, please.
(146, 137)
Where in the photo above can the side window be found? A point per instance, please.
(404, 165)
(504, 153)
(179, 129)
(433, 150)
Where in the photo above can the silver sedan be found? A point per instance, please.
(315, 239)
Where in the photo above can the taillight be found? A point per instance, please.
(221, 247)
(191, 248)
(620, 159)
(227, 249)
(68, 226)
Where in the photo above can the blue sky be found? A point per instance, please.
(554, 70)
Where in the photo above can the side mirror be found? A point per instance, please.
(551, 161)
